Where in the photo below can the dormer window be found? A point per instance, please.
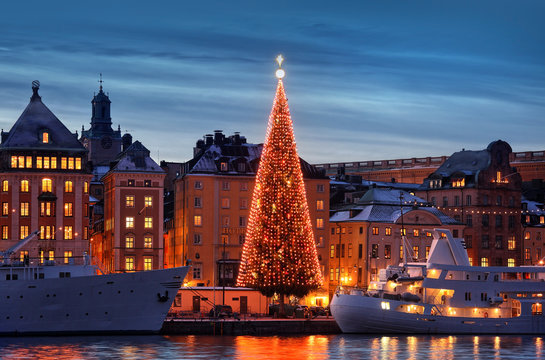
(241, 167)
(45, 137)
(223, 166)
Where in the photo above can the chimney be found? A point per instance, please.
(218, 137)
(237, 138)
(209, 139)
(126, 141)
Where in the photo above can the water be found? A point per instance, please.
(274, 347)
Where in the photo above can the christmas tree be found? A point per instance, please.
(279, 254)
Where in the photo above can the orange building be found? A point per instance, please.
(213, 197)
(131, 238)
(366, 236)
(44, 186)
(533, 230)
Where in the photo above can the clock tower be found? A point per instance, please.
(102, 142)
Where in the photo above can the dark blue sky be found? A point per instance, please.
(365, 79)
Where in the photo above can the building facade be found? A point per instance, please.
(131, 235)
(482, 190)
(213, 198)
(533, 233)
(367, 236)
(44, 186)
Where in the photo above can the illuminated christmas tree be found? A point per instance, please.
(279, 254)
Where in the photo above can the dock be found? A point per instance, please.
(258, 327)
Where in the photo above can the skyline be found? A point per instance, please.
(371, 81)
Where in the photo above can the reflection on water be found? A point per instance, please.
(274, 347)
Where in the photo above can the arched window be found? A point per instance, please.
(24, 186)
(47, 185)
(68, 186)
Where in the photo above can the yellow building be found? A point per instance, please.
(212, 204)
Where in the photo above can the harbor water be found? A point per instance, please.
(273, 347)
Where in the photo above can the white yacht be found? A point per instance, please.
(445, 295)
(73, 298)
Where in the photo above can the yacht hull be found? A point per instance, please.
(115, 303)
(364, 314)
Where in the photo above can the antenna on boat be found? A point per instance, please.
(406, 250)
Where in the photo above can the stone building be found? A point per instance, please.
(533, 233)
(482, 190)
(44, 186)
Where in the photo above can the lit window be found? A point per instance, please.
(46, 162)
(148, 222)
(68, 209)
(511, 262)
(53, 162)
(148, 201)
(130, 182)
(5, 185)
(129, 222)
(148, 242)
(39, 162)
(197, 220)
(5, 232)
(68, 233)
(64, 165)
(375, 230)
(147, 183)
(484, 261)
(23, 231)
(148, 261)
(511, 243)
(416, 232)
(47, 185)
(70, 163)
(23, 255)
(129, 242)
(319, 204)
(45, 137)
(25, 208)
(78, 163)
(47, 232)
(403, 232)
(129, 263)
(14, 161)
(67, 256)
(29, 162)
(51, 255)
(416, 252)
(388, 231)
(85, 187)
(47, 208)
(223, 166)
(319, 223)
(24, 185)
(129, 201)
(21, 162)
(68, 186)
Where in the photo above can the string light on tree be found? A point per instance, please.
(279, 254)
